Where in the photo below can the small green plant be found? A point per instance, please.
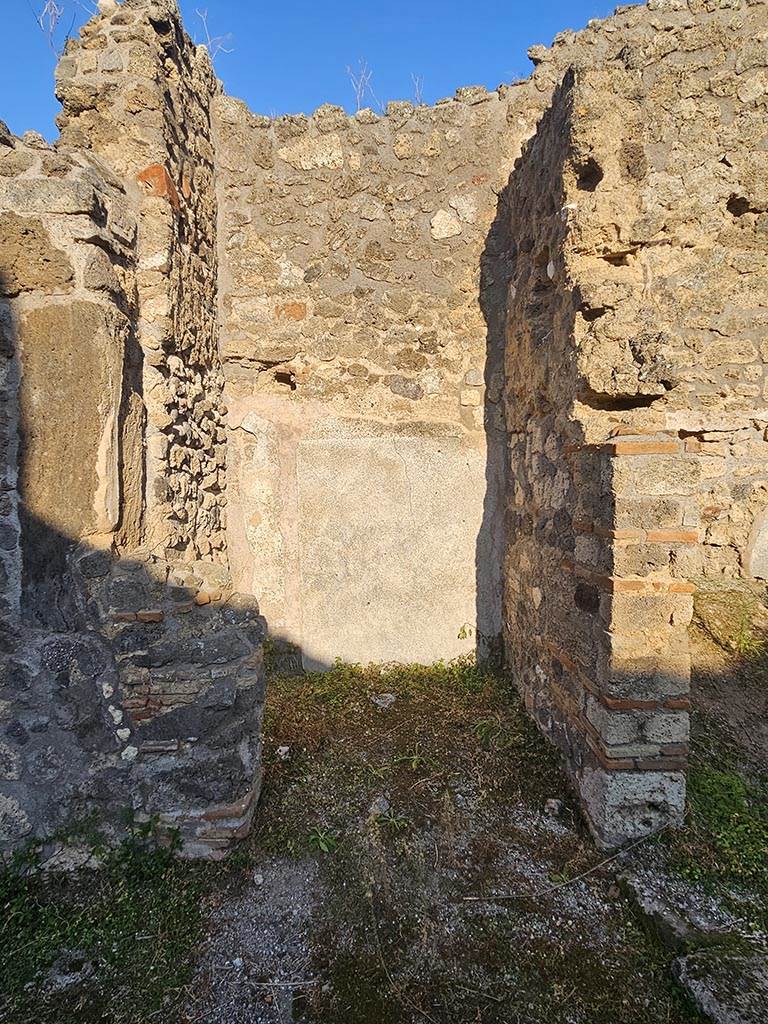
(416, 760)
(322, 840)
(494, 733)
(392, 821)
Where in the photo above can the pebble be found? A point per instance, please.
(384, 700)
(379, 806)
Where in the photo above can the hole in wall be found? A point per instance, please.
(616, 259)
(587, 598)
(616, 403)
(286, 378)
(589, 175)
(738, 206)
(592, 313)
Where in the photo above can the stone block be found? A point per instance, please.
(727, 985)
(72, 362)
(445, 224)
(28, 259)
(656, 475)
(47, 196)
(313, 153)
(626, 805)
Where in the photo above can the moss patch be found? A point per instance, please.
(115, 944)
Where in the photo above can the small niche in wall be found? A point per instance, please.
(287, 378)
(589, 174)
(587, 598)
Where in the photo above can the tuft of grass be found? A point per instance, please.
(390, 820)
(494, 733)
(322, 840)
(416, 759)
(736, 620)
(748, 641)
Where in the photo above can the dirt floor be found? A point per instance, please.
(419, 860)
(418, 856)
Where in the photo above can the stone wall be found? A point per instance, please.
(422, 379)
(362, 303)
(73, 427)
(132, 673)
(68, 285)
(635, 394)
(364, 479)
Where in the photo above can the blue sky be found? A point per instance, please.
(292, 56)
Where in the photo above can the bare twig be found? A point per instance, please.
(503, 897)
(284, 984)
(479, 992)
(214, 44)
(361, 84)
(48, 18)
(418, 89)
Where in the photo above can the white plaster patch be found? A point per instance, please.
(756, 559)
(416, 516)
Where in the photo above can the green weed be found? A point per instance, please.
(392, 821)
(416, 759)
(322, 840)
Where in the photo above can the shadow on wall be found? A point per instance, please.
(133, 680)
(601, 660)
(495, 274)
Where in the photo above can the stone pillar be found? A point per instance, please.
(596, 613)
(634, 715)
(137, 92)
(135, 678)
